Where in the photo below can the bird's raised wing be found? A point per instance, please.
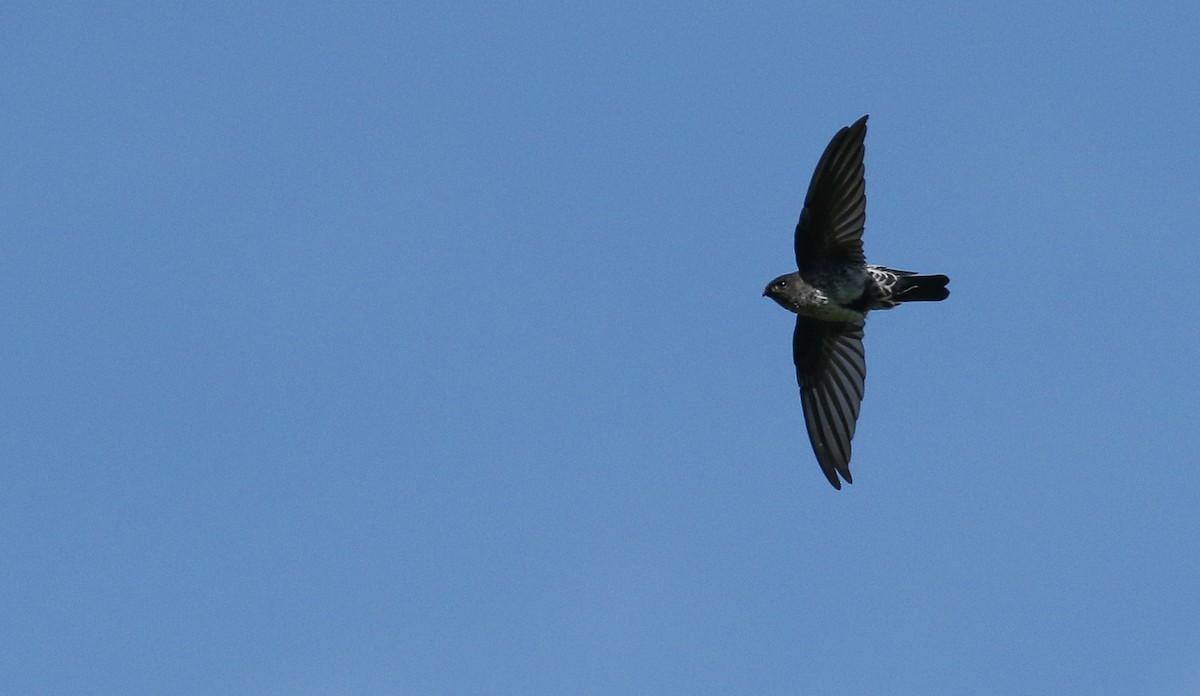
(831, 369)
(835, 209)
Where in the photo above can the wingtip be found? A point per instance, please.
(831, 475)
(835, 481)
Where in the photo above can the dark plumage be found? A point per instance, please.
(831, 294)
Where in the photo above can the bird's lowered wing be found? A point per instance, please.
(835, 209)
(831, 369)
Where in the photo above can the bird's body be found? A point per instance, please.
(846, 292)
(831, 294)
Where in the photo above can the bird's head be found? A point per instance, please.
(785, 290)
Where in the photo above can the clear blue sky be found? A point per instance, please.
(418, 348)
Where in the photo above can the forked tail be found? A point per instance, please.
(920, 288)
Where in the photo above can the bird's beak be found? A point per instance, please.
(764, 293)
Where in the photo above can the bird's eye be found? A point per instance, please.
(783, 283)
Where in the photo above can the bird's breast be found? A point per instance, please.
(832, 312)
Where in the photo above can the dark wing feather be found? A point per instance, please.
(835, 209)
(831, 369)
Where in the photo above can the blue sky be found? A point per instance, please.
(413, 349)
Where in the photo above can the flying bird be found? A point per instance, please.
(831, 294)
